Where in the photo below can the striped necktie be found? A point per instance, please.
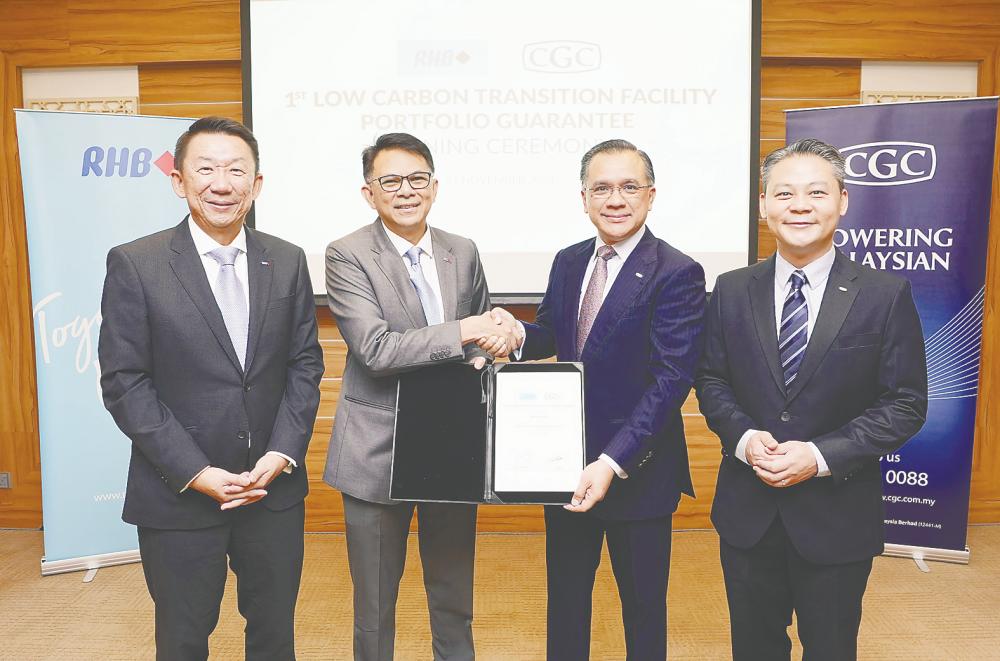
(793, 335)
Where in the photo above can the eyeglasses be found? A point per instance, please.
(391, 183)
(627, 190)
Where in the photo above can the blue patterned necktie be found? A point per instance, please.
(793, 335)
(231, 299)
(428, 301)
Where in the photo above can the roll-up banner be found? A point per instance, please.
(919, 182)
(91, 182)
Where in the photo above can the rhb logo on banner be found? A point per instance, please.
(123, 162)
(889, 163)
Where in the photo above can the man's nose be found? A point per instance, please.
(801, 203)
(221, 182)
(616, 198)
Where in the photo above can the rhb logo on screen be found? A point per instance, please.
(889, 163)
(123, 162)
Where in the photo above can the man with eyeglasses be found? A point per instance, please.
(629, 307)
(404, 296)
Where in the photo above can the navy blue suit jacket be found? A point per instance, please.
(861, 392)
(639, 363)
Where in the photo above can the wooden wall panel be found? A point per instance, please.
(190, 82)
(191, 89)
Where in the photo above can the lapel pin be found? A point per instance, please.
(265, 263)
(842, 288)
(638, 275)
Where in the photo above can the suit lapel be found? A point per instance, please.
(190, 271)
(447, 272)
(761, 292)
(259, 272)
(626, 287)
(571, 290)
(391, 265)
(841, 290)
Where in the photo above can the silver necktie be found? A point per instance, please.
(427, 299)
(231, 299)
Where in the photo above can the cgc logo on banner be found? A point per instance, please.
(123, 162)
(561, 57)
(889, 163)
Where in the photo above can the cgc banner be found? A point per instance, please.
(90, 182)
(919, 179)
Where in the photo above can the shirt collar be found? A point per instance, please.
(402, 245)
(817, 271)
(205, 244)
(623, 248)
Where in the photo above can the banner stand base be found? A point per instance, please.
(920, 554)
(89, 563)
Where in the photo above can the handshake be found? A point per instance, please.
(496, 332)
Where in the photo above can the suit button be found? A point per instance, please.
(242, 435)
(785, 416)
(246, 388)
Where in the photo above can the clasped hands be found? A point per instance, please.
(780, 464)
(232, 490)
(495, 332)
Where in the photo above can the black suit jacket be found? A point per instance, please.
(173, 384)
(861, 392)
(639, 363)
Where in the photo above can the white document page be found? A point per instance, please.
(538, 440)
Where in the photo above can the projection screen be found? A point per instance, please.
(508, 97)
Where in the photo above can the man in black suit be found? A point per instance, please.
(211, 366)
(813, 369)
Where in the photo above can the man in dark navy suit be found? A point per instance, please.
(813, 369)
(629, 306)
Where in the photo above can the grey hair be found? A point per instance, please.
(826, 151)
(615, 146)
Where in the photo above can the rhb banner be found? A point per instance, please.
(919, 183)
(90, 182)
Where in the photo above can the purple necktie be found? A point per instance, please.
(593, 297)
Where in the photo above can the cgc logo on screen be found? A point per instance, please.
(123, 162)
(561, 57)
(889, 163)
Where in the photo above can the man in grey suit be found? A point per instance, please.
(404, 296)
(211, 366)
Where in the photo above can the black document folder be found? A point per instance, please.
(445, 447)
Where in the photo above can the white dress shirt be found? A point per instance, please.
(427, 264)
(817, 274)
(622, 251)
(205, 244)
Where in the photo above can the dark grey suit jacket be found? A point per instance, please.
(173, 384)
(861, 392)
(382, 321)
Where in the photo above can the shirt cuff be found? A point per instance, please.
(291, 462)
(741, 447)
(517, 352)
(614, 466)
(822, 470)
(186, 486)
